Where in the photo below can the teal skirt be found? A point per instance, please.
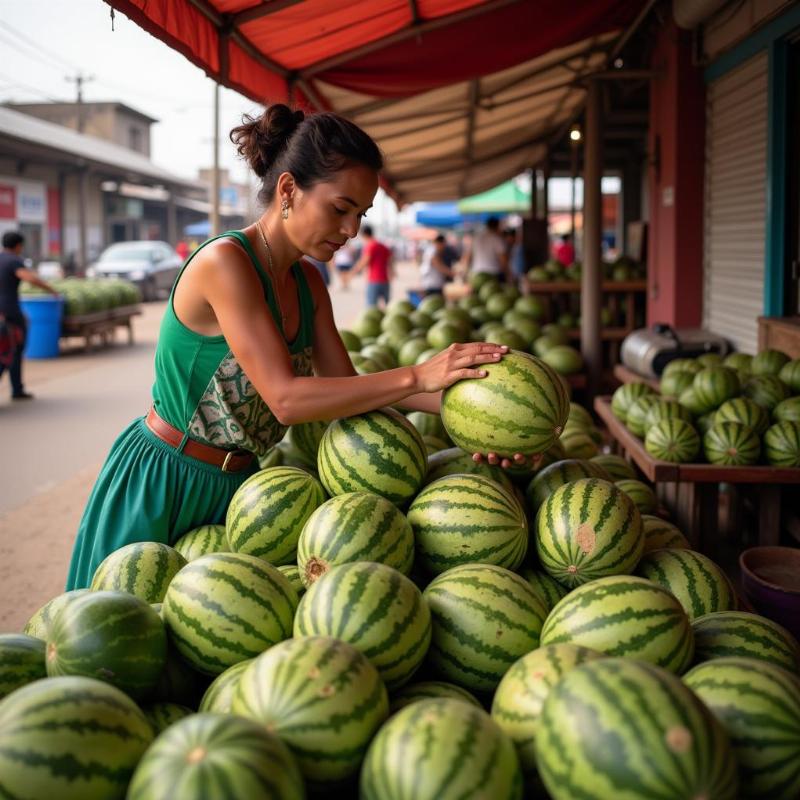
(147, 491)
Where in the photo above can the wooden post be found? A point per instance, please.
(591, 296)
(215, 222)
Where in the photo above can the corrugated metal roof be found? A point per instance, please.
(91, 149)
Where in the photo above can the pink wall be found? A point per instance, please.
(675, 182)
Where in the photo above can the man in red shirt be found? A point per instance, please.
(377, 258)
(565, 252)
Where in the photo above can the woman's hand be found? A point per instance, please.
(519, 460)
(457, 362)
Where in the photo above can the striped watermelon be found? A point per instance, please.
(292, 573)
(739, 633)
(143, 569)
(758, 704)
(70, 739)
(434, 445)
(484, 618)
(658, 534)
(350, 340)
(673, 440)
(268, 511)
(463, 519)
(323, 699)
(520, 407)
(766, 390)
(617, 728)
(664, 409)
(162, 715)
(709, 360)
(790, 375)
(768, 362)
(786, 411)
(227, 607)
(694, 579)
(304, 438)
(688, 399)
(428, 424)
(39, 624)
(441, 749)
(782, 444)
(22, 660)
(455, 461)
(745, 411)
(714, 385)
(379, 452)
(111, 636)
(731, 443)
(179, 682)
(588, 529)
(202, 541)
(411, 350)
(615, 466)
(580, 416)
(218, 698)
(556, 475)
(219, 757)
(578, 443)
(359, 526)
(682, 365)
(519, 698)
(637, 413)
(426, 690)
(377, 610)
(624, 616)
(548, 589)
(741, 362)
(676, 382)
(704, 421)
(624, 397)
(642, 495)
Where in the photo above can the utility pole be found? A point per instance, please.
(79, 80)
(83, 173)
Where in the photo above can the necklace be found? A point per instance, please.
(272, 276)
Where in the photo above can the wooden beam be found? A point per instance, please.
(412, 5)
(262, 10)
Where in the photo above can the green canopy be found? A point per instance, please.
(506, 198)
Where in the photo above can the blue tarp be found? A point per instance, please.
(202, 228)
(445, 215)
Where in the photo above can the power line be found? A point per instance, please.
(28, 88)
(64, 64)
(23, 49)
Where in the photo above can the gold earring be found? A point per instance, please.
(285, 209)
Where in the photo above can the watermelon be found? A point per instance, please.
(548, 589)
(455, 461)
(268, 512)
(580, 416)
(224, 757)
(358, 526)
(22, 660)
(642, 495)
(376, 609)
(588, 529)
(227, 607)
(786, 411)
(431, 303)
(381, 355)
(525, 327)
(758, 704)
(456, 750)
(694, 579)
(411, 351)
(143, 569)
(731, 443)
(739, 633)
(624, 397)
(161, 715)
(292, 573)
(442, 334)
(768, 362)
(304, 438)
(531, 306)
(564, 359)
(434, 445)
(70, 738)
(704, 422)
(484, 618)
(766, 390)
(219, 695)
(179, 682)
(461, 519)
(709, 360)
(111, 636)
(520, 407)
(790, 375)
(618, 728)
(714, 385)
(519, 698)
(745, 411)
(39, 624)
(427, 424)
(665, 409)
(425, 690)
(615, 466)
(577, 443)
(673, 440)
(419, 319)
(782, 444)
(676, 382)
(637, 413)
(379, 452)
(201, 541)
(682, 365)
(623, 615)
(741, 362)
(322, 697)
(688, 399)
(659, 533)
(350, 340)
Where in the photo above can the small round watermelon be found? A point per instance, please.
(641, 494)
(766, 390)
(786, 411)
(769, 362)
(616, 466)
(714, 385)
(676, 382)
(790, 375)
(201, 541)
(658, 534)
(637, 413)
(782, 444)
(39, 624)
(731, 443)
(663, 408)
(741, 362)
(624, 397)
(22, 661)
(162, 715)
(426, 690)
(745, 411)
(555, 475)
(219, 695)
(454, 461)
(673, 440)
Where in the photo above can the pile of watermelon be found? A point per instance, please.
(380, 621)
(87, 296)
(738, 411)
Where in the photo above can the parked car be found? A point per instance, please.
(152, 266)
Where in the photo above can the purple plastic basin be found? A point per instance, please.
(771, 582)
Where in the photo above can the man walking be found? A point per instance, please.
(12, 273)
(488, 252)
(377, 258)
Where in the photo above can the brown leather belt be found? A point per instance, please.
(226, 460)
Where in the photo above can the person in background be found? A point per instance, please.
(516, 255)
(182, 249)
(565, 252)
(343, 261)
(487, 253)
(436, 269)
(12, 272)
(377, 259)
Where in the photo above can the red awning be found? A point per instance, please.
(460, 94)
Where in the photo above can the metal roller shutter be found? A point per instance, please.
(735, 203)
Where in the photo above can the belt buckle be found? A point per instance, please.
(228, 456)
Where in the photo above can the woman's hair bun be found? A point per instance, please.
(261, 139)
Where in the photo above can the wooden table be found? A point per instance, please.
(691, 491)
(625, 375)
(100, 324)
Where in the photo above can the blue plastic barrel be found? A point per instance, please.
(44, 325)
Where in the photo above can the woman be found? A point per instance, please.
(248, 344)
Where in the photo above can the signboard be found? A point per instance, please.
(31, 202)
(8, 201)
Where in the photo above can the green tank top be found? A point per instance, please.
(200, 387)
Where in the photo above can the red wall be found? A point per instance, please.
(675, 182)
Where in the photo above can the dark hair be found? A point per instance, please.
(492, 223)
(440, 239)
(566, 237)
(366, 230)
(311, 148)
(12, 239)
